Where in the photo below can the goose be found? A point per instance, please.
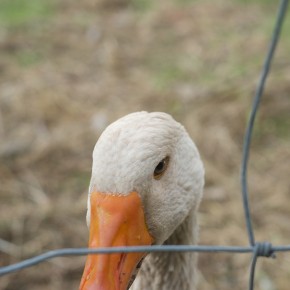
(145, 189)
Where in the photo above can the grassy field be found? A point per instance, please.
(69, 68)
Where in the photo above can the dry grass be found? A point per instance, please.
(67, 75)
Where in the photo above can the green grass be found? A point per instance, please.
(27, 58)
(142, 5)
(15, 13)
(277, 126)
(167, 74)
(261, 2)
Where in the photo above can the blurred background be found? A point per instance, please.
(69, 68)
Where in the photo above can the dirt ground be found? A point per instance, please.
(68, 69)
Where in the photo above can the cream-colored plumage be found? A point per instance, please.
(124, 160)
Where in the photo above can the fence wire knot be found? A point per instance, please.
(264, 249)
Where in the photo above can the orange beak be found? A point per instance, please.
(115, 221)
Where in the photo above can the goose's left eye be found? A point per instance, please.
(161, 167)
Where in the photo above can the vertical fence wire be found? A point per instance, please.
(256, 102)
(257, 249)
(260, 249)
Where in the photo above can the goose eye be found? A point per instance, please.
(161, 167)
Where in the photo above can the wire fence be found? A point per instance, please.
(258, 249)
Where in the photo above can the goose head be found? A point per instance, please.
(147, 176)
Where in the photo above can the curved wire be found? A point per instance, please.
(248, 135)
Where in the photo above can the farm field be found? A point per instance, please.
(68, 69)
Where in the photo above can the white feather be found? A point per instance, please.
(124, 160)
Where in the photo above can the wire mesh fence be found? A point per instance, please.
(256, 249)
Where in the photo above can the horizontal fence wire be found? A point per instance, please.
(264, 249)
(136, 249)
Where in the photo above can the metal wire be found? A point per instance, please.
(255, 106)
(248, 137)
(145, 249)
(264, 249)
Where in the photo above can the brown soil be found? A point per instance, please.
(64, 78)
